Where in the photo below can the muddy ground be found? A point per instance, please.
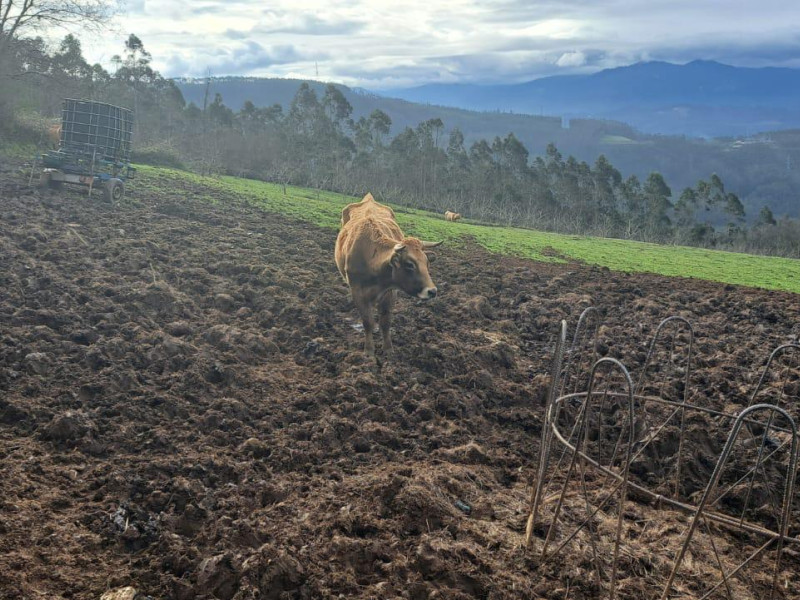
(185, 408)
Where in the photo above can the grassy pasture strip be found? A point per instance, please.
(324, 209)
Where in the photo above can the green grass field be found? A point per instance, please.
(324, 209)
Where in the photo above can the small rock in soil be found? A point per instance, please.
(224, 302)
(67, 427)
(38, 363)
(218, 577)
(125, 593)
(255, 447)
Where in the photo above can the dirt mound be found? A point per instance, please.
(185, 407)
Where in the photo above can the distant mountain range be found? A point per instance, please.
(267, 91)
(701, 98)
(762, 169)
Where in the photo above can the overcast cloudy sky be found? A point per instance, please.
(379, 45)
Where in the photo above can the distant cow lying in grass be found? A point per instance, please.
(375, 258)
(451, 216)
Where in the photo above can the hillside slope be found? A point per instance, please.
(185, 408)
(324, 209)
(762, 171)
(265, 92)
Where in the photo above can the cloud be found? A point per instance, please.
(381, 44)
(177, 64)
(132, 6)
(207, 9)
(235, 34)
(310, 24)
(240, 59)
(571, 59)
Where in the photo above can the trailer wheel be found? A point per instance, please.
(114, 190)
(46, 181)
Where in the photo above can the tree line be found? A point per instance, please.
(317, 142)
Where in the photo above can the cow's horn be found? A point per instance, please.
(399, 246)
(431, 244)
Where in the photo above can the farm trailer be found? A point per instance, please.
(94, 149)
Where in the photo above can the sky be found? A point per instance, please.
(381, 45)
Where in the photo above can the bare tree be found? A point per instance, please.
(21, 17)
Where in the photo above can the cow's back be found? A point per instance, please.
(365, 224)
(367, 207)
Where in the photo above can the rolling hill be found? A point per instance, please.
(700, 98)
(761, 169)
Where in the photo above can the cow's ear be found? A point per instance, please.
(396, 258)
(431, 256)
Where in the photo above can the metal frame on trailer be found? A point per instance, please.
(94, 127)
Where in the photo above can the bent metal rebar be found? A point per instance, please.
(630, 438)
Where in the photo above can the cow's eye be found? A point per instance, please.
(410, 266)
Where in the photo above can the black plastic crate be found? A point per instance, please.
(96, 129)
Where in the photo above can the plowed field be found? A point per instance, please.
(185, 408)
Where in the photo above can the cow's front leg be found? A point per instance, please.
(365, 309)
(385, 307)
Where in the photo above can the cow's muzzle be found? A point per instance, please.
(427, 293)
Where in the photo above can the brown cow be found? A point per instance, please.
(451, 216)
(54, 134)
(375, 258)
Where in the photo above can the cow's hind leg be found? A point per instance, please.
(365, 308)
(385, 307)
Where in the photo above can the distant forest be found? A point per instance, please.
(763, 169)
(315, 141)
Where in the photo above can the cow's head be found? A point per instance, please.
(410, 268)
